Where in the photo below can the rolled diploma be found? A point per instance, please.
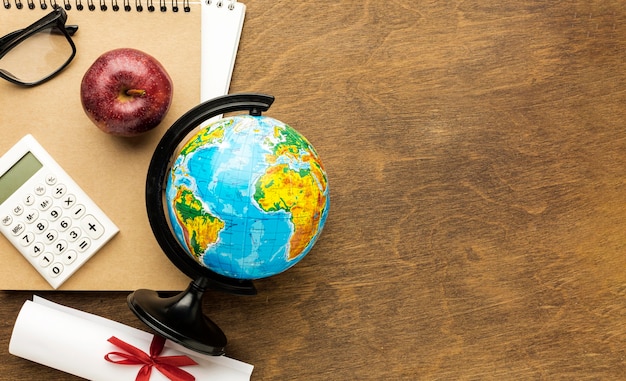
(75, 342)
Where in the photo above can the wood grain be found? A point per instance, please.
(476, 159)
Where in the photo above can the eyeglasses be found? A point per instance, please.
(36, 54)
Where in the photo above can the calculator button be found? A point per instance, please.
(17, 229)
(51, 236)
(73, 234)
(41, 226)
(46, 260)
(84, 244)
(55, 213)
(40, 190)
(92, 226)
(18, 210)
(7, 220)
(68, 201)
(69, 257)
(27, 239)
(59, 247)
(55, 270)
(45, 203)
(51, 179)
(64, 223)
(29, 199)
(78, 211)
(59, 191)
(37, 249)
(31, 216)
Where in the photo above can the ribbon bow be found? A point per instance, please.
(168, 365)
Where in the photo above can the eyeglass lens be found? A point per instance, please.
(37, 56)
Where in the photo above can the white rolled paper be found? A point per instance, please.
(75, 342)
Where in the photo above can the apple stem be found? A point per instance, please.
(135, 92)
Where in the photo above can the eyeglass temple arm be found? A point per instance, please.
(70, 29)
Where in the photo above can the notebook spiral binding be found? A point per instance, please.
(104, 5)
(220, 3)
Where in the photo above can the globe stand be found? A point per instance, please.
(180, 318)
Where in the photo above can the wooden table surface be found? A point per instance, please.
(476, 154)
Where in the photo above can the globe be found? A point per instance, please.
(247, 196)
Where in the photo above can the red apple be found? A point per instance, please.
(126, 92)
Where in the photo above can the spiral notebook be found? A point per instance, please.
(196, 43)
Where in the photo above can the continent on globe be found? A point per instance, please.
(247, 196)
(281, 188)
(201, 228)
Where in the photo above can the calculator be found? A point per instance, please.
(46, 215)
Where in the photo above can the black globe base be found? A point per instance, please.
(179, 318)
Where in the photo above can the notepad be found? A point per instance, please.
(197, 44)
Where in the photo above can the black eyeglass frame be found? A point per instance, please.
(56, 20)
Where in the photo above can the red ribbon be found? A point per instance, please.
(168, 365)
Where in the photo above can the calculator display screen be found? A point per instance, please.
(19, 173)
